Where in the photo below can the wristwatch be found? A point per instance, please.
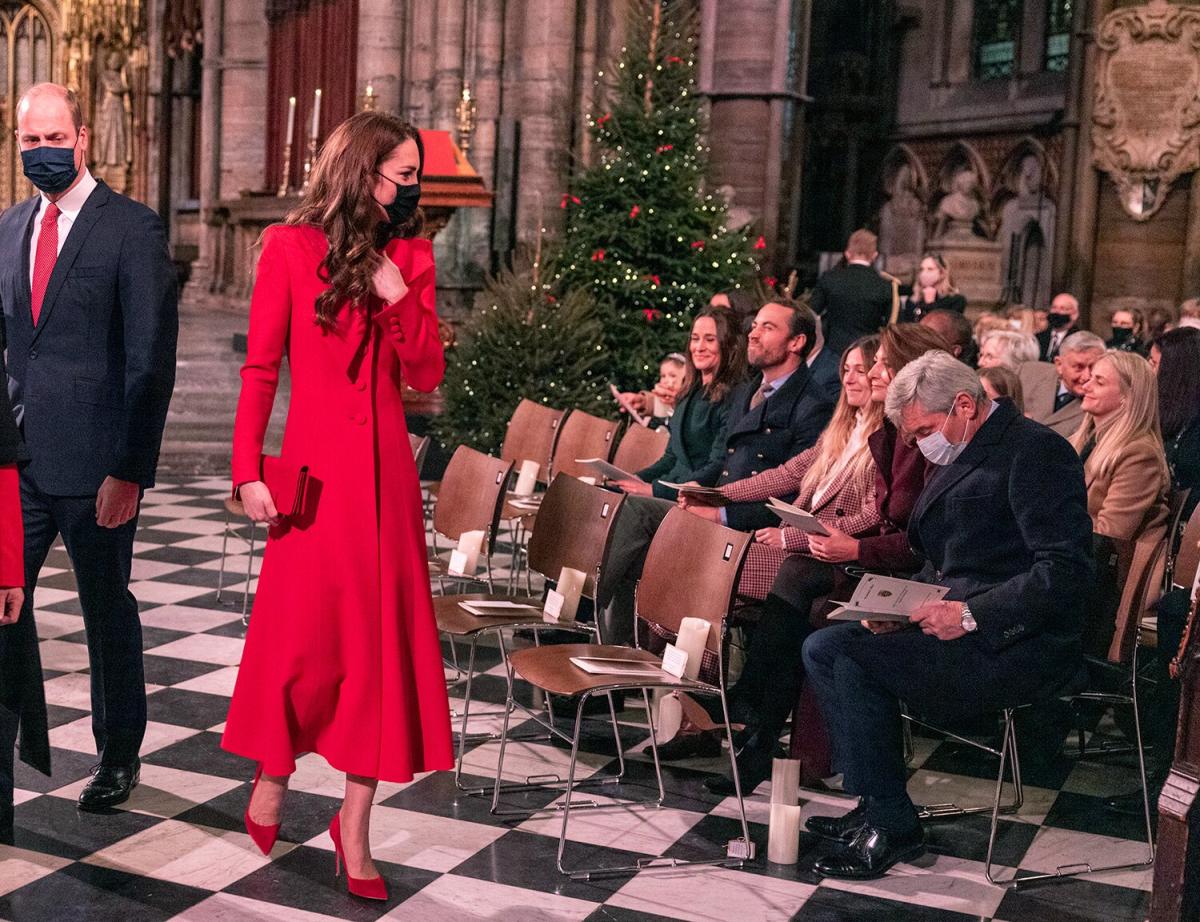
(968, 619)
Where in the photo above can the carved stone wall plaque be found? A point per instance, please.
(1146, 120)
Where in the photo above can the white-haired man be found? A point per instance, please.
(1053, 393)
(1014, 551)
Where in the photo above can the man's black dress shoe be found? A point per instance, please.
(871, 853)
(839, 828)
(110, 785)
(753, 766)
(704, 744)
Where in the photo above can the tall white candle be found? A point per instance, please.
(316, 119)
(527, 479)
(692, 640)
(465, 560)
(291, 124)
(783, 835)
(785, 782)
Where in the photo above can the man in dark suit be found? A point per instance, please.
(89, 299)
(853, 300)
(776, 414)
(1062, 320)
(1015, 553)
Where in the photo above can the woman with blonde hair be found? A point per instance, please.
(934, 290)
(342, 657)
(1120, 442)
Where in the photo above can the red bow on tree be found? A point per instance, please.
(674, 59)
(635, 211)
(604, 118)
(651, 314)
(697, 244)
(568, 197)
(598, 256)
(760, 243)
(664, 148)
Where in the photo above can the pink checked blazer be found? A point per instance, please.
(848, 505)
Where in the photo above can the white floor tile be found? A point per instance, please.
(203, 648)
(456, 899)
(62, 656)
(701, 894)
(163, 791)
(225, 907)
(165, 593)
(185, 618)
(1053, 848)
(218, 682)
(941, 882)
(190, 526)
(51, 624)
(19, 867)
(646, 829)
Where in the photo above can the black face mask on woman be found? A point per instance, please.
(401, 208)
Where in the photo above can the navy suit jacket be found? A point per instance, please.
(779, 428)
(92, 382)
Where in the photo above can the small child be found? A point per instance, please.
(657, 405)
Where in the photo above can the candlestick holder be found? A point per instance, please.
(285, 177)
(309, 159)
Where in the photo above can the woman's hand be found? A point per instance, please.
(633, 487)
(771, 537)
(634, 400)
(838, 547)
(256, 500)
(11, 600)
(387, 282)
(665, 394)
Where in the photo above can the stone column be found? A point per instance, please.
(201, 279)
(381, 50)
(244, 98)
(547, 35)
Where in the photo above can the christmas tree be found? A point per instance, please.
(642, 235)
(522, 342)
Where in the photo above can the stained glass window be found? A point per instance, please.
(1058, 33)
(997, 23)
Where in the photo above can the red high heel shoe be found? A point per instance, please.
(264, 836)
(371, 888)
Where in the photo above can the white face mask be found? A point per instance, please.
(938, 449)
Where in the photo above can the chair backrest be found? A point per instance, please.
(1187, 560)
(1141, 562)
(573, 528)
(420, 448)
(640, 447)
(691, 571)
(471, 495)
(583, 436)
(531, 436)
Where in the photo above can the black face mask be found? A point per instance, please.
(1121, 335)
(401, 208)
(1058, 321)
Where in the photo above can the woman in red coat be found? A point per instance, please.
(342, 655)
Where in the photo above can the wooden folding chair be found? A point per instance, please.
(640, 447)
(470, 499)
(420, 448)
(234, 510)
(574, 530)
(1183, 566)
(691, 569)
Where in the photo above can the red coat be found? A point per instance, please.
(342, 656)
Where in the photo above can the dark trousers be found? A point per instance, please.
(633, 531)
(771, 680)
(868, 743)
(102, 558)
(8, 742)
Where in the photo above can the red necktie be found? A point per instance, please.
(43, 261)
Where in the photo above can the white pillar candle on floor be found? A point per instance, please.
(465, 560)
(785, 782)
(527, 478)
(783, 835)
(692, 640)
(668, 716)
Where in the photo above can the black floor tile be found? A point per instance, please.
(829, 905)
(304, 815)
(169, 670)
(234, 628)
(1084, 813)
(186, 556)
(1073, 901)
(967, 836)
(187, 708)
(85, 893)
(151, 637)
(58, 715)
(54, 825)
(67, 766)
(303, 879)
(202, 753)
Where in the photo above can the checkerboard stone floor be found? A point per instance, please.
(177, 849)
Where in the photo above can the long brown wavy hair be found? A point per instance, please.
(339, 200)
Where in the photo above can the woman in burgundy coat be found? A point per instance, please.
(342, 655)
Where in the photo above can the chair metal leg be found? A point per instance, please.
(1007, 734)
(249, 574)
(224, 548)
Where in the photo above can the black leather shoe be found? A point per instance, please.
(753, 767)
(839, 828)
(871, 853)
(110, 785)
(706, 744)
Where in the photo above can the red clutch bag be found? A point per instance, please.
(287, 483)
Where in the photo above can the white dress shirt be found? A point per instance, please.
(69, 207)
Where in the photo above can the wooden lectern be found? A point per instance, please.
(1176, 896)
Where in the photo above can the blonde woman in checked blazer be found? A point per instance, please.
(834, 480)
